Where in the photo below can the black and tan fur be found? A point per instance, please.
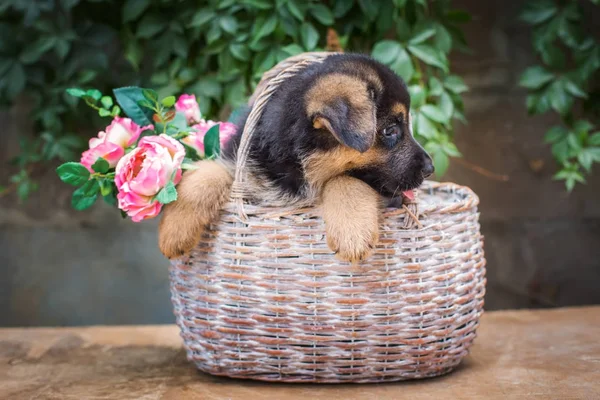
(337, 134)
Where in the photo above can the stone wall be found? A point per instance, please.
(61, 267)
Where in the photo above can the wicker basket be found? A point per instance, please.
(263, 297)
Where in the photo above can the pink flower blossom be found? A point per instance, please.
(109, 151)
(122, 131)
(111, 144)
(196, 140)
(188, 105)
(143, 172)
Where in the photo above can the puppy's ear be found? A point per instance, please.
(344, 106)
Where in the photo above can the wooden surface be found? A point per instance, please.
(550, 354)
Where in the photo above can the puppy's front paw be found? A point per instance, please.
(179, 231)
(353, 242)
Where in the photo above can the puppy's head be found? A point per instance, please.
(363, 108)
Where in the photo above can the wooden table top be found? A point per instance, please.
(544, 354)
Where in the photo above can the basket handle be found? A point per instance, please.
(265, 88)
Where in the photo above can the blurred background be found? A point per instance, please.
(504, 97)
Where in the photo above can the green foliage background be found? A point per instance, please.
(218, 49)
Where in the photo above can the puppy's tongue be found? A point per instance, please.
(409, 194)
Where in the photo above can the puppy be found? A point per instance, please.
(336, 134)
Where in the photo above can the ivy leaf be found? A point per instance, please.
(422, 32)
(128, 98)
(309, 36)
(417, 95)
(229, 24)
(538, 11)
(559, 99)
(555, 134)
(266, 28)
(85, 196)
(430, 56)
(386, 51)
(212, 146)
(440, 163)
(446, 105)
(535, 77)
(73, 173)
(168, 194)
(132, 9)
(403, 65)
(575, 90)
(322, 14)
(434, 113)
(101, 166)
(594, 140)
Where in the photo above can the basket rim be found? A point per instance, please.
(468, 200)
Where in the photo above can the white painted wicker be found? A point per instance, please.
(263, 297)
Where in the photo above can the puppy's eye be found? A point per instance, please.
(392, 131)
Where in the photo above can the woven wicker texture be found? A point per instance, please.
(263, 297)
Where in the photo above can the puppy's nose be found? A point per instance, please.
(428, 168)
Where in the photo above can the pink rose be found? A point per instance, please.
(122, 131)
(109, 151)
(143, 172)
(196, 140)
(188, 105)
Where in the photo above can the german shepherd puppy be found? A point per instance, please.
(337, 134)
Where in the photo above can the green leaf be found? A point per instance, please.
(116, 110)
(309, 36)
(386, 51)
(191, 152)
(107, 102)
(535, 77)
(150, 95)
(553, 56)
(101, 166)
(370, 8)
(104, 112)
(559, 99)
(132, 9)
(322, 14)
(555, 134)
(76, 92)
(435, 86)
(85, 196)
(202, 17)
(212, 147)
(35, 51)
(594, 140)
(207, 86)
(434, 113)
(168, 101)
(94, 94)
(403, 65)
(417, 95)
(342, 7)
(266, 28)
(422, 32)
(168, 194)
(150, 26)
(73, 173)
(443, 39)
(446, 105)
(425, 127)
(430, 56)
(229, 24)
(586, 159)
(295, 10)
(293, 49)
(128, 98)
(582, 127)
(440, 163)
(538, 11)
(106, 187)
(239, 51)
(575, 90)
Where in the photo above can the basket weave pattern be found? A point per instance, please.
(263, 297)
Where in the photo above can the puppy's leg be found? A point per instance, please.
(201, 195)
(350, 211)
